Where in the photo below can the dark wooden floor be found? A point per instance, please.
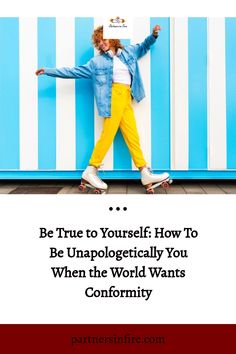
(117, 187)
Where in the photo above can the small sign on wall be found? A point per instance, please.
(117, 27)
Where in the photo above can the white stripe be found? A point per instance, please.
(107, 163)
(28, 58)
(216, 94)
(179, 93)
(65, 102)
(142, 110)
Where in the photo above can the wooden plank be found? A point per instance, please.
(35, 190)
(228, 188)
(193, 188)
(115, 187)
(211, 188)
(176, 189)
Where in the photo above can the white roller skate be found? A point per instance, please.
(151, 181)
(91, 180)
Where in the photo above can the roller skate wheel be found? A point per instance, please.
(165, 185)
(82, 188)
(97, 191)
(150, 191)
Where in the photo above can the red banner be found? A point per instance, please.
(124, 338)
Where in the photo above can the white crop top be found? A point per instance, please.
(121, 72)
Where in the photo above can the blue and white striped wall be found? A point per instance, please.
(187, 122)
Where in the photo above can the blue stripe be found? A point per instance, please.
(9, 93)
(46, 94)
(230, 48)
(84, 93)
(160, 95)
(121, 155)
(122, 175)
(197, 91)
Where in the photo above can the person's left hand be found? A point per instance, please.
(155, 30)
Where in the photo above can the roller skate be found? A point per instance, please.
(91, 180)
(151, 181)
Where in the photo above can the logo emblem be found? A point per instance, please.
(117, 27)
(117, 20)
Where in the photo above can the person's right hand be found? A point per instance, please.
(40, 72)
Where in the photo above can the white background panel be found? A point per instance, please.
(179, 93)
(142, 110)
(30, 294)
(216, 94)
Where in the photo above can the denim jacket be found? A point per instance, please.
(100, 70)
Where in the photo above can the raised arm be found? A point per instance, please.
(142, 48)
(78, 72)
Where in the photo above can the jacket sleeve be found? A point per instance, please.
(78, 72)
(141, 49)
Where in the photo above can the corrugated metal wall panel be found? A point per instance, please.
(186, 122)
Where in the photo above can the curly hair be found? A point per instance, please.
(98, 35)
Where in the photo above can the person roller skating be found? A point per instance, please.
(116, 81)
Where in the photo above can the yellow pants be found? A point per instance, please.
(122, 116)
